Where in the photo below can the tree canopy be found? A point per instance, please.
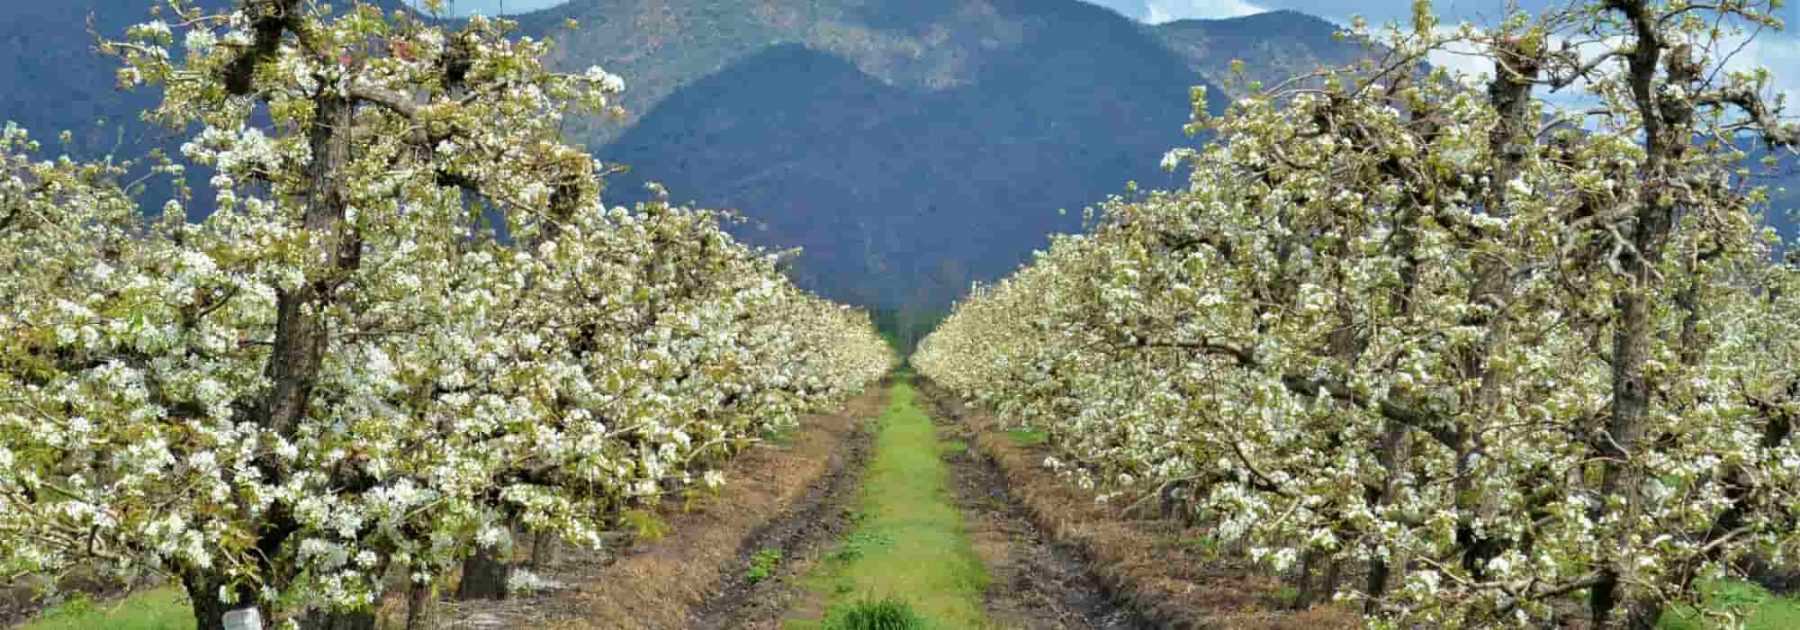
(1493, 352)
(410, 326)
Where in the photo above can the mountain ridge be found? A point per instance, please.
(903, 189)
(909, 148)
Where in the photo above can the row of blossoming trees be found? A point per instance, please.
(345, 373)
(1490, 357)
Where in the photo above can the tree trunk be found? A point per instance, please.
(1333, 578)
(1604, 602)
(1305, 584)
(418, 605)
(543, 549)
(1376, 584)
(484, 576)
(300, 333)
(1664, 138)
(203, 595)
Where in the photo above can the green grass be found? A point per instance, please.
(1207, 546)
(1759, 609)
(910, 545)
(158, 609)
(762, 564)
(1028, 437)
(885, 614)
(645, 525)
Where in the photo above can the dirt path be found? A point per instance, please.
(937, 530)
(908, 544)
(1170, 573)
(789, 496)
(852, 510)
(761, 584)
(1034, 582)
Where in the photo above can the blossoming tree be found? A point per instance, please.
(345, 372)
(1491, 353)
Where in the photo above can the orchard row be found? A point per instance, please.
(410, 329)
(1466, 356)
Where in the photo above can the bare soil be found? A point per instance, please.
(799, 537)
(1034, 581)
(788, 496)
(1149, 566)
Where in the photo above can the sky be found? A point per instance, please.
(1337, 10)
(493, 7)
(1779, 51)
(1165, 10)
(1158, 10)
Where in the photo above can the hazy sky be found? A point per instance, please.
(1779, 51)
(1164, 10)
(492, 7)
(1158, 10)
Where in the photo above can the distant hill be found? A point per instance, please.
(909, 146)
(52, 78)
(1274, 46)
(904, 185)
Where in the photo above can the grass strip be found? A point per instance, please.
(909, 550)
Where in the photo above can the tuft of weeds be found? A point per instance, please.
(645, 525)
(779, 436)
(1730, 602)
(763, 564)
(883, 614)
(1286, 596)
(1207, 546)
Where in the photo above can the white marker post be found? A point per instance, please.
(243, 619)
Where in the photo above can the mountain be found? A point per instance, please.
(909, 147)
(1273, 47)
(905, 181)
(53, 78)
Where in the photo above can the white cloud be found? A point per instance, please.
(1160, 11)
(1463, 58)
(1777, 52)
(491, 7)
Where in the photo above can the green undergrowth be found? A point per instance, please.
(763, 564)
(1028, 437)
(909, 552)
(157, 609)
(883, 614)
(1756, 607)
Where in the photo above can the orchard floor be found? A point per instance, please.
(936, 533)
(905, 498)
